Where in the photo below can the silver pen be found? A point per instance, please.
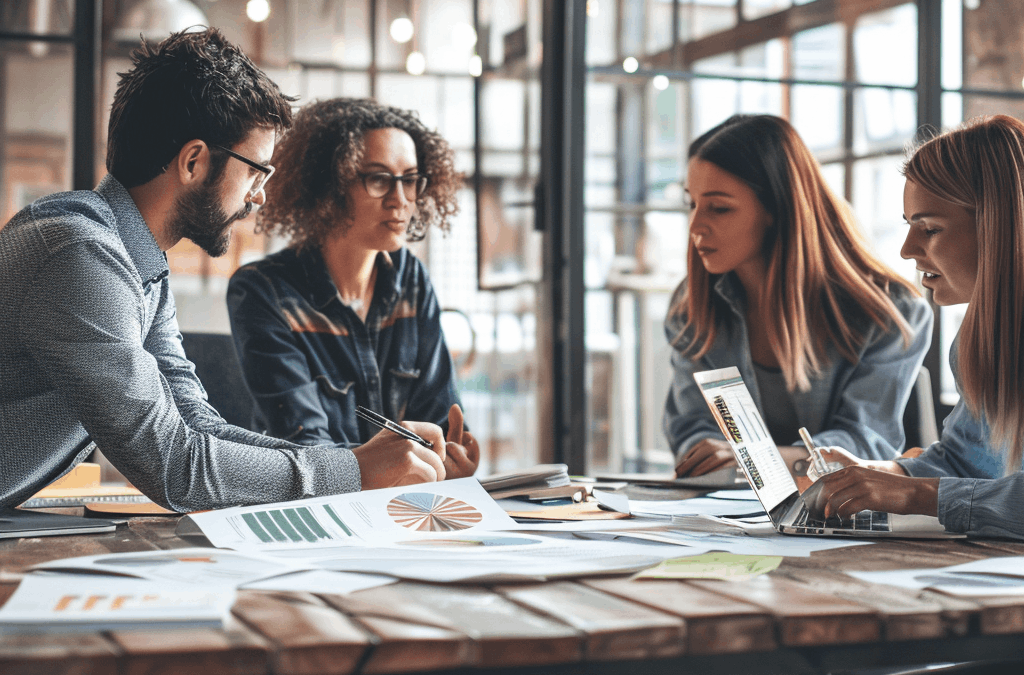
(384, 423)
(819, 462)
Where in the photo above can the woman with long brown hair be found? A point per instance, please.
(964, 204)
(782, 285)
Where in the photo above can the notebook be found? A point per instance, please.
(766, 471)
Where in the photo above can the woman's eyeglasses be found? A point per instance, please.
(266, 171)
(379, 183)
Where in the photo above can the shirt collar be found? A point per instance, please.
(322, 288)
(138, 240)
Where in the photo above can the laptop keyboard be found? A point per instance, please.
(864, 521)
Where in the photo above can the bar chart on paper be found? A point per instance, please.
(294, 525)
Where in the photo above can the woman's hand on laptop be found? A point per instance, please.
(706, 456)
(834, 453)
(858, 488)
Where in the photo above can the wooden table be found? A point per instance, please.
(807, 616)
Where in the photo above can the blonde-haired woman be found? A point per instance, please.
(782, 285)
(964, 203)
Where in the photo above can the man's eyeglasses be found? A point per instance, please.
(379, 183)
(266, 171)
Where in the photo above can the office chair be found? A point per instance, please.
(919, 417)
(218, 369)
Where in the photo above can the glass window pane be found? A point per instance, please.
(992, 105)
(952, 44)
(884, 119)
(753, 9)
(885, 46)
(56, 17)
(658, 33)
(817, 114)
(835, 176)
(818, 53)
(712, 101)
(35, 133)
(952, 110)
(601, 38)
(878, 203)
(700, 18)
(447, 37)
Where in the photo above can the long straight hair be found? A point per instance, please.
(820, 270)
(980, 167)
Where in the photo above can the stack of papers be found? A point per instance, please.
(544, 481)
(991, 576)
(66, 602)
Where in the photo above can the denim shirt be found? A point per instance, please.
(857, 406)
(309, 359)
(90, 352)
(974, 494)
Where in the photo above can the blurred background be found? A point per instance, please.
(570, 119)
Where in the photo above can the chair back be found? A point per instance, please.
(218, 369)
(919, 417)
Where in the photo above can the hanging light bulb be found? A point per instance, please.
(476, 65)
(660, 82)
(630, 64)
(416, 63)
(257, 10)
(402, 30)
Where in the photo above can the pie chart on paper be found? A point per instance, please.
(426, 512)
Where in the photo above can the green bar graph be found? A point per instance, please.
(335, 518)
(267, 523)
(311, 520)
(285, 526)
(299, 526)
(254, 525)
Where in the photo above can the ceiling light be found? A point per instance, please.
(416, 63)
(660, 82)
(476, 65)
(630, 64)
(402, 30)
(257, 10)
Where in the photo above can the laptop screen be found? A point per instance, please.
(740, 421)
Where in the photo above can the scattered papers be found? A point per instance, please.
(751, 540)
(991, 576)
(540, 476)
(695, 506)
(321, 581)
(371, 516)
(722, 479)
(742, 495)
(198, 566)
(713, 566)
(589, 510)
(65, 602)
(612, 501)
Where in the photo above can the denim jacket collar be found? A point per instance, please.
(322, 287)
(142, 248)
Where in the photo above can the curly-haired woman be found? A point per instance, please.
(346, 315)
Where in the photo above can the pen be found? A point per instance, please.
(816, 458)
(385, 423)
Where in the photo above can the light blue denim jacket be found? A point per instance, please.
(856, 406)
(974, 495)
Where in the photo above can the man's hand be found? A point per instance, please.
(462, 452)
(706, 456)
(387, 459)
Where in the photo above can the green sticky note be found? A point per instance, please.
(716, 565)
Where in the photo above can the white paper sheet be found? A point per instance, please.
(695, 506)
(758, 540)
(50, 602)
(321, 581)
(371, 516)
(987, 577)
(741, 495)
(203, 566)
(501, 556)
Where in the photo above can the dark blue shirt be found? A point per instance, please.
(309, 359)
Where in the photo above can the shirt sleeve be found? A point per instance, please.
(434, 391)
(687, 419)
(274, 365)
(974, 495)
(89, 343)
(868, 420)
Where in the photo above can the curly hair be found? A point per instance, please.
(319, 158)
(194, 84)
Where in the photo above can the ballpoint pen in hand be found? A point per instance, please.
(385, 423)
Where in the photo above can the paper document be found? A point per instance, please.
(46, 602)
(539, 476)
(357, 518)
(321, 581)
(754, 540)
(991, 576)
(199, 566)
(713, 566)
(695, 506)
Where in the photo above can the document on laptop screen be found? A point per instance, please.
(740, 421)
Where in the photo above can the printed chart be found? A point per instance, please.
(425, 512)
(293, 525)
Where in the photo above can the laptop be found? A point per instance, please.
(766, 471)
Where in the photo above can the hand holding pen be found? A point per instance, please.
(819, 467)
(401, 455)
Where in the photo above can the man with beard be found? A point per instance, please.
(90, 352)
